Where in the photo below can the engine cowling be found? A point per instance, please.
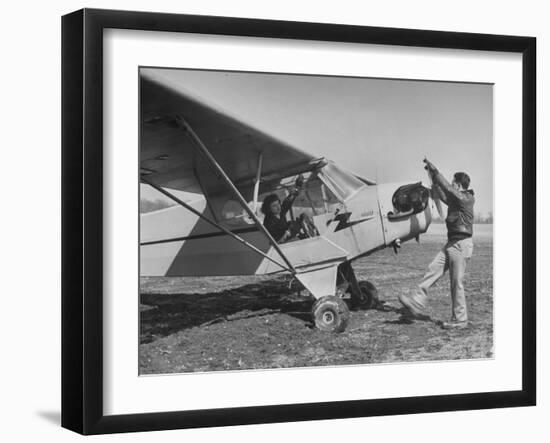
(405, 209)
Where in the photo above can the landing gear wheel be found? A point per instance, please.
(330, 314)
(370, 294)
(368, 298)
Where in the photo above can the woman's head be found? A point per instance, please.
(271, 205)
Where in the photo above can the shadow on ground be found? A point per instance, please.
(163, 315)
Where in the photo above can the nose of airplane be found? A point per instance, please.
(405, 210)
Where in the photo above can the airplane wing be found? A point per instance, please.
(169, 159)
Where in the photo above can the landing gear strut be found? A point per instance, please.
(331, 313)
(364, 295)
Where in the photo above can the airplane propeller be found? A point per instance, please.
(435, 197)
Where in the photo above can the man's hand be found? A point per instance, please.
(430, 166)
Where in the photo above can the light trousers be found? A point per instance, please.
(454, 257)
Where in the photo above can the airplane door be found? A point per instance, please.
(358, 226)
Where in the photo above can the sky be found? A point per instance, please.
(378, 128)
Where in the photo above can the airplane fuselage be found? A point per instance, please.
(176, 243)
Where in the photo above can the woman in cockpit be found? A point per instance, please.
(275, 217)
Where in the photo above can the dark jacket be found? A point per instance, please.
(460, 212)
(277, 226)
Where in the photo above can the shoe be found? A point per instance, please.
(415, 303)
(455, 324)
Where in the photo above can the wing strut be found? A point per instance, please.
(206, 153)
(213, 223)
(257, 182)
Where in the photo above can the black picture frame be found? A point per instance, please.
(82, 219)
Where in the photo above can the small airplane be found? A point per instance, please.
(218, 170)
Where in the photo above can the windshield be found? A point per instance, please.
(342, 182)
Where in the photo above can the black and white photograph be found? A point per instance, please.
(272, 222)
(295, 221)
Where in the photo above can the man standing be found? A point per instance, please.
(456, 252)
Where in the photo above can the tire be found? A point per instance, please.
(330, 314)
(369, 296)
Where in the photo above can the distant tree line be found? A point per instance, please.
(479, 218)
(483, 218)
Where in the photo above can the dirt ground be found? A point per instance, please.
(229, 323)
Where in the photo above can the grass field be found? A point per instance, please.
(228, 323)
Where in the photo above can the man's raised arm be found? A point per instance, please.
(441, 182)
(436, 189)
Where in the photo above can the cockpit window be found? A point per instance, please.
(320, 194)
(233, 214)
(342, 182)
(315, 199)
